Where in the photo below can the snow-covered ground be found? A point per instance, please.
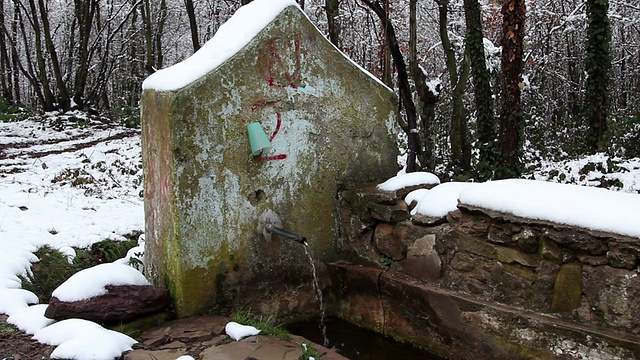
(65, 186)
(73, 186)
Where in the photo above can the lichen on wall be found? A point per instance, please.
(330, 126)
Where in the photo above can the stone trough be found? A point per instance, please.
(484, 284)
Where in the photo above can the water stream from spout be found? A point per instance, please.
(316, 285)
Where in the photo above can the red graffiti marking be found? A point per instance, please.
(275, 132)
(293, 81)
(274, 157)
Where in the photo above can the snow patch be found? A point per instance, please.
(238, 331)
(83, 340)
(31, 319)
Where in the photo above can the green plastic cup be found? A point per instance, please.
(258, 139)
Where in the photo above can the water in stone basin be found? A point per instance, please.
(357, 343)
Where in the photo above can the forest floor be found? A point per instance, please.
(16, 345)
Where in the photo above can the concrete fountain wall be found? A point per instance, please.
(207, 198)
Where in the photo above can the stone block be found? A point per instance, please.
(427, 267)
(476, 247)
(463, 262)
(512, 256)
(567, 290)
(621, 257)
(207, 199)
(353, 295)
(549, 251)
(500, 234)
(390, 213)
(613, 296)
(388, 242)
(527, 240)
(423, 246)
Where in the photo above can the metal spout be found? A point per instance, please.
(288, 234)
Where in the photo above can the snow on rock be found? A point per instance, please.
(14, 300)
(31, 319)
(573, 205)
(238, 331)
(415, 195)
(91, 282)
(440, 200)
(83, 340)
(230, 38)
(409, 179)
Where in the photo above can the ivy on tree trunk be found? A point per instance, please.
(486, 123)
(598, 66)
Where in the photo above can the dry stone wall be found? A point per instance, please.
(484, 284)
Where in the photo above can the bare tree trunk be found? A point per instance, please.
(48, 100)
(511, 119)
(332, 8)
(158, 38)
(14, 57)
(63, 94)
(428, 99)
(5, 77)
(85, 11)
(410, 128)
(192, 24)
(486, 123)
(387, 69)
(145, 13)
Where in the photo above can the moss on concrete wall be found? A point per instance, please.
(332, 125)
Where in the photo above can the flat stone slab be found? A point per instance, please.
(194, 329)
(203, 338)
(154, 355)
(265, 347)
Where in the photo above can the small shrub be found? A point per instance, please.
(11, 111)
(83, 260)
(111, 250)
(52, 270)
(54, 267)
(385, 261)
(127, 116)
(265, 325)
(7, 329)
(309, 352)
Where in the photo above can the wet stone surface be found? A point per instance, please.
(203, 338)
